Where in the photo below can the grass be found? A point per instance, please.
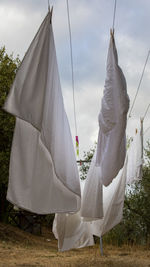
(18, 248)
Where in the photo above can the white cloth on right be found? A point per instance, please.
(135, 157)
(111, 146)
(113, 201)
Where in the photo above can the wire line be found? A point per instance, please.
(146, 112)
(114, 15)
(147, 130)
(139, 84)
(72, 68)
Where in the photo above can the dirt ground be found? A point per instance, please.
(18, 248)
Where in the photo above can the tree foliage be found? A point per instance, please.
(8, 68)
(86, 163)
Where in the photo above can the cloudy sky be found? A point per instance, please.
(91, 21)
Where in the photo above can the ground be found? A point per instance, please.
(18, 248)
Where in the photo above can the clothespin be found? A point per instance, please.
(51, 12)
(112, 33)
(77, 145)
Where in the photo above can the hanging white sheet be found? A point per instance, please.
(71, 231)
(113, 201)
(92, 200)
(111, 147)
(135, 158)
(74, 232)
(43, 171)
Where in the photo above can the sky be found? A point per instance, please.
(91, 21)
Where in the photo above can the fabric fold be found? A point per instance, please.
(72, 232)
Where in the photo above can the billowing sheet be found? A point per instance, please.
(43, 171)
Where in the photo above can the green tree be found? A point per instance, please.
(8, 68)
(87, 157)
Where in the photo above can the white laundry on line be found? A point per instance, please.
(43, 176)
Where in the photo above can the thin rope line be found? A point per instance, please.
(139, 84)
(147, 130)
(146, 112)
(48, 6)
(72, 69)
(114, 15)
(142, 135)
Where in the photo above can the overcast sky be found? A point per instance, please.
(91, 21)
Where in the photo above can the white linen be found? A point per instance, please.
(71, 231)
(111, 147)
(135, 158)
(92, 200)
(113, 201)
(43, 171)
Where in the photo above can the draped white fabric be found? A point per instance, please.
(92, 200)
(43, 171)
(72, 232)
(111, 147)
(135, 158)
(113, 201)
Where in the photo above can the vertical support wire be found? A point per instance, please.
(101, 245)
(48, 6)
(139, 84)
(114, 16)
(146, 112)
(142, 119)
(147, 130)
(72, 68)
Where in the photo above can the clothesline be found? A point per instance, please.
(147, 130)
(146, 111)
(114, 16)
(83, 161)
(72, 66)
(141, 78)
